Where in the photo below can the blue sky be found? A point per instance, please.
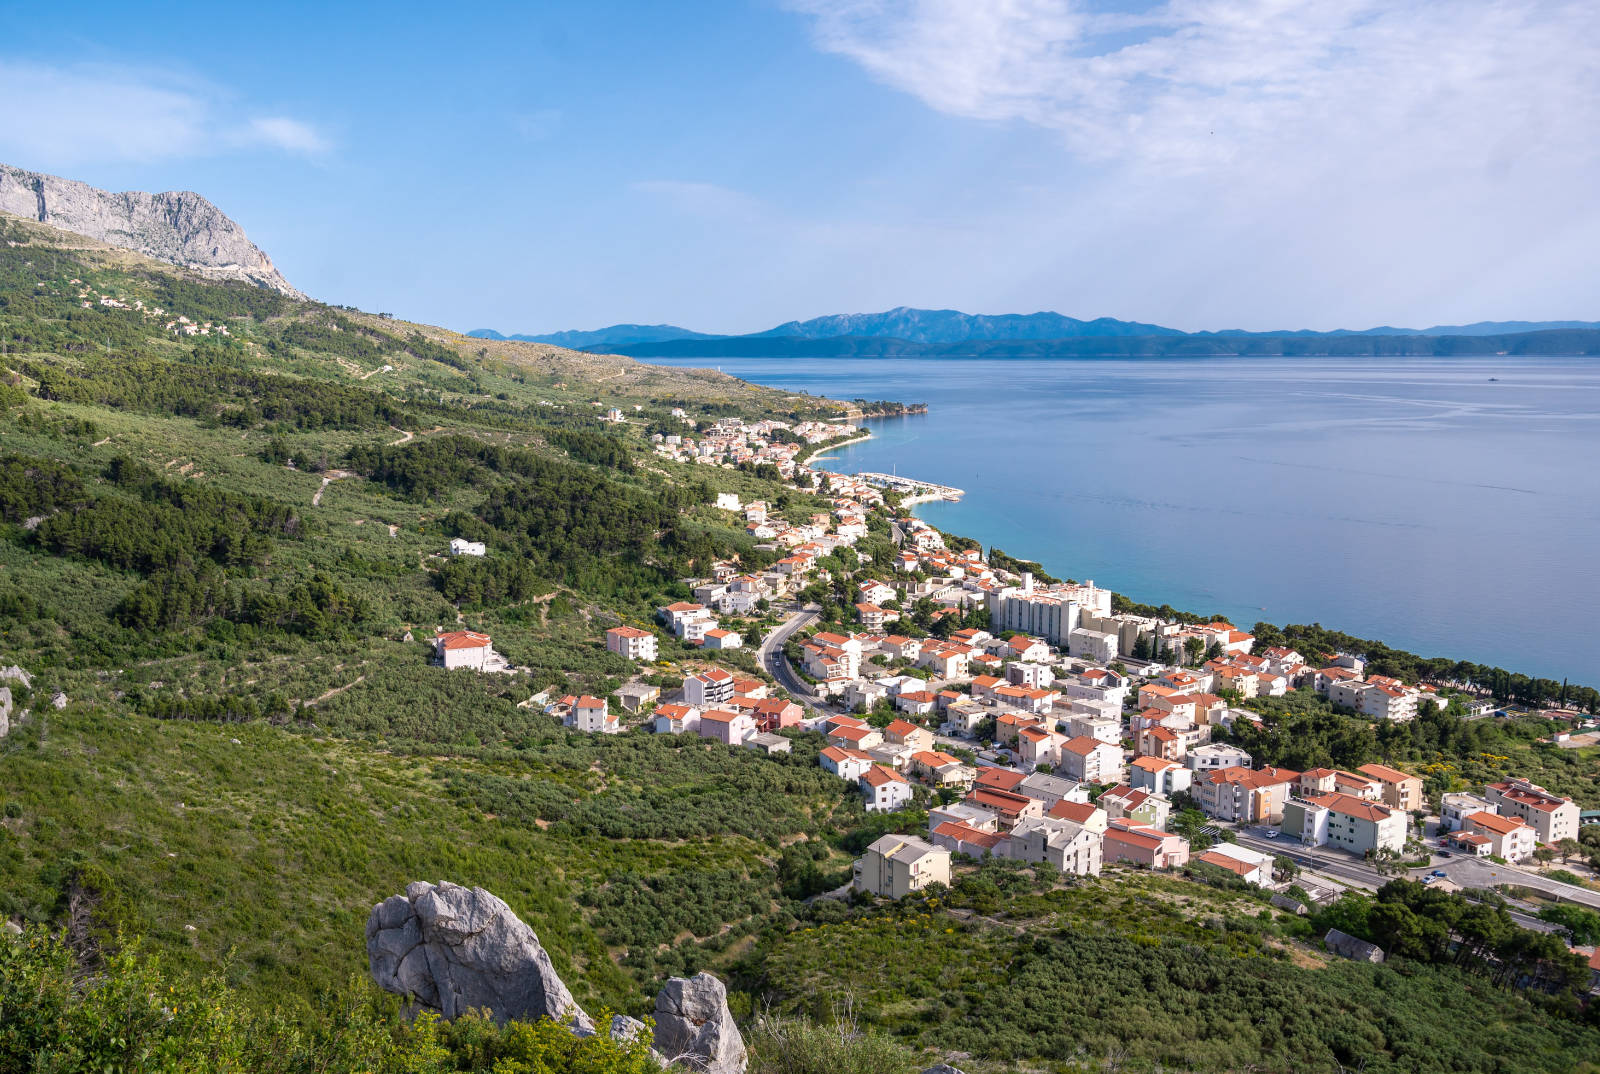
(727, 166)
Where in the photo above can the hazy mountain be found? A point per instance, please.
(614, 336)
(953, 326)
(178, 226)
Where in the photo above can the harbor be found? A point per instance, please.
(911, 490)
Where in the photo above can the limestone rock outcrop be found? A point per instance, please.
(694, 1027)
(453, 948)
(178, 226)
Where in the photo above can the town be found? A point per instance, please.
(1030, 721)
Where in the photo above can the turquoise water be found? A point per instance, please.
(1447, 506)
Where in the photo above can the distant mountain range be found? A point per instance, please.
(906, 331)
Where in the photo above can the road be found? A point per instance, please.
(771, 657)
(1337, 865)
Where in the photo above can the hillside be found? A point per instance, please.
(225, 522)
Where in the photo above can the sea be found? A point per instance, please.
(1449, 506)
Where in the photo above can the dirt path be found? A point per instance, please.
(404, 436)
(385, 369)
(335, 692)
(328, 479)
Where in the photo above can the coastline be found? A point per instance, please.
(827, 451)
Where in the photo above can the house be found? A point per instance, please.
(1158, 776)
(1400, 790)
(1251, 866)
(1122, 801)
(728, 501)
(1050, 789)
(908, 733)
(1252, 796)
(855, 738)
(1141, 844)
(1552, 818)
(461, 547)
(1101, 727)
(1071, 848)
(1215, 756)
(896, 865)
(1026, 649)
(708, 688)
(717, 638)
(899, 647)
(1090, 816)
(886, 790)
(592, 714)
(1510, 838)
(774, 714)
(728, 728)
(916, 703)
(1334, 780)
(464, 649)
(963, 718)
(847, 764)
(1344, 821)
(1347, 946)
(636, 695)
(1160, 741)
(1000, 779)
(768, 743)
(871, 616)
(962, 813)
(1099, 646)
(1008, 724)
(1037, 747)
(631, 642)
(1454, 808)
(874, 592)
(863, 694)
(943, 770)
(1008, 806)
(959, 838)
(1034, 676)
(675, 719)
(1088, 760)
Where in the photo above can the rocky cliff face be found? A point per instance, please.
(179, 227)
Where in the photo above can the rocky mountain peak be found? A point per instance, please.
(178, 226)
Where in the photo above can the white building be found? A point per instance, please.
(1071, 848)
(885, 789)
(1215, 756)
(708, 689)
(592, 714)
(461, 547)
(631, 642)
(464, 649)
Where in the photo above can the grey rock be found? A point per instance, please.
(59, 700)
(694, 1027)
(943, 1068)
(13, 928)
(179, 227)
(15, 674)
(452, 949)
(5, 710)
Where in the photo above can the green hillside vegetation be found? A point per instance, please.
(230, 553)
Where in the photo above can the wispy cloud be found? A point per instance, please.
(1269, 162)
(63, 116)
(1202, 83)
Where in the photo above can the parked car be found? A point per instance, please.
(1444, 853)
(1438, 872)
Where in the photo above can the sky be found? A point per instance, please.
(727, 166)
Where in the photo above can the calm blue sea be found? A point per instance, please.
(1447, 506)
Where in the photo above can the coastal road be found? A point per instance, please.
(1356, 872)
(771, 657)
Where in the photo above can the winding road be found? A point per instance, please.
(771, 657)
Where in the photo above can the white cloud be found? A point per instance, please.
(1201, 83)
(1265, 163)
(66, 116)
(290, 135)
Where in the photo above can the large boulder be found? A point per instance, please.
(694, 1027)
(452, 949)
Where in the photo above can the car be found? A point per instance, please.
(1271, 835)
(1438, 872)
(1444, 853)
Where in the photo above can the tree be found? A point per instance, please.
(1193, 649)
(1284, 868)
(1568, 848)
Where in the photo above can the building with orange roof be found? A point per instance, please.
(728, 728)
(1087, 814)
(1140, 844)
(846, 763)
(1510, 838)
(999, 779)
(631, 642)
(1245, 795)
(885, 789)
(960, 838)
(1344, 821)
(1400, 790)
(464, 649)
(1089, 760)
(1008, 806)
(1158, 775)
(1552, 817)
